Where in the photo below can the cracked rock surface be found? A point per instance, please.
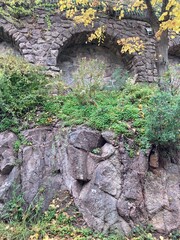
(112, 190)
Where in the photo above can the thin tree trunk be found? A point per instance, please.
(162, 57)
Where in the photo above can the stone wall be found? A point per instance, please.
(42, 44)
(174, 46)
(112, 190)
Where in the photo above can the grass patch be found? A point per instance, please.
(119, 111)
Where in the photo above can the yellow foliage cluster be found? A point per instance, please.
(119, 7)
(131, 45)
(173, 21)
(87, 11)
(68, 6)
(87, 16)
(98, 34)
(137, 5)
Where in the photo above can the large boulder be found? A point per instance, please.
(85, 138)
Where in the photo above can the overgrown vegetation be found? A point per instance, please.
(60, 221)
(19, 222)
(139, 112)
(15, 9)
(22, 89)
(121, 112)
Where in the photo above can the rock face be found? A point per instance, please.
(113, 191)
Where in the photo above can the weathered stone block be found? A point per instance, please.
(51, 61)
(29, 58)
(86, 139)
(78, 163)
(109, 136)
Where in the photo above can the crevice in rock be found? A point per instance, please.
(101, 142)
(56, 172)
(82, 183)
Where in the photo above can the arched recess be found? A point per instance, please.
(108, 53)
(7, 45)
(142, 66)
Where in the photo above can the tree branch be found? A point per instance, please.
(152, 16)
(164, 4)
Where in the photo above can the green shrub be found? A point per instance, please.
(163, 120)
(21, 90)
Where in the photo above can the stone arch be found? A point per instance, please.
(80, 38)
(107, 54)
(12, 35)
(143, 66)
(42, 45)
(7, 36)
(7, 45)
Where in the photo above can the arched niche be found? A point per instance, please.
(108, 54)
(7, 47)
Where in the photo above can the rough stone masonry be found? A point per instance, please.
(43, 45)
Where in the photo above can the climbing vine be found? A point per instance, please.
(12, 10)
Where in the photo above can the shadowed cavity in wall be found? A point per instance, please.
(107, 55)
(6, 44)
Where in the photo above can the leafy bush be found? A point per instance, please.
(21, 90)
(163, 120)
(175, 235)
